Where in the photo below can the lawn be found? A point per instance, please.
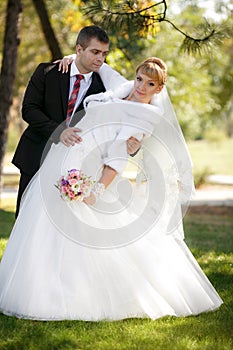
(215, 157)
(209, 236)
(208, 158)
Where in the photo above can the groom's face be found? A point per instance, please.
(92, 57)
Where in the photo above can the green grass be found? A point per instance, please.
(7, 210)
(208, 158)
(209, 236)
(216, 158)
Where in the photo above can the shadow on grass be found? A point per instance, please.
(20, 334)
(207, 331)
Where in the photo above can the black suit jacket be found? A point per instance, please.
(44, 109)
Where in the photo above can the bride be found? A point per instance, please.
(119, 252)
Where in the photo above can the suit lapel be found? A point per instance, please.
(96, 85)
(64, 89)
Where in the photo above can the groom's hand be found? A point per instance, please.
(69, 136)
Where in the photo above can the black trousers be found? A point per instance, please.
(23, 182)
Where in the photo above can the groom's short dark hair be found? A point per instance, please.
(90, 32)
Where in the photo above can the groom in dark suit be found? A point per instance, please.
(46, 100)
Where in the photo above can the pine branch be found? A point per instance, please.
(125, 15)
(130, 17)
(207, 36)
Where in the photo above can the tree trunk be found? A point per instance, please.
(47, 29)
(8, 71)
(229, 123)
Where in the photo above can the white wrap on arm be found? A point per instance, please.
(122, 119)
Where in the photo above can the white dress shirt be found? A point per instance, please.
(110, 77)
(84, 84)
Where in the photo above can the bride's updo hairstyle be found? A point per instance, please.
(154, 68)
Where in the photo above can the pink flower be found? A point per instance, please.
(72, 181)
(75, 186)
(63, 189)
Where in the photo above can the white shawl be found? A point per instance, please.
(166, 144)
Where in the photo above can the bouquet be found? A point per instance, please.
(75, 186)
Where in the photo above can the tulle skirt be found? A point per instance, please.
(45, 274)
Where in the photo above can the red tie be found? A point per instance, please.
(73, 98)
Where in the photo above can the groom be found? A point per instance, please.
(48, 94)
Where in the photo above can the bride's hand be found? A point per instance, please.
(64, 63)
(90, 200)
(133, 145)
(70, 136)
(98, 189)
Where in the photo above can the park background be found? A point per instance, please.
(200, 85)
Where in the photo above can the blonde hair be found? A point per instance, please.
(155, 68)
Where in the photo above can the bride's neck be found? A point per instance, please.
(131, 97)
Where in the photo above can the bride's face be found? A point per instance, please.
(144, 88)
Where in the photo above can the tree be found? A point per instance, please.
(8, 69)
(49, 34)
(130, 16)
(223, 76)
(143, 28)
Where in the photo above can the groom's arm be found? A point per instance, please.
(33, 107)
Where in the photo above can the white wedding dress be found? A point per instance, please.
(123, 257)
